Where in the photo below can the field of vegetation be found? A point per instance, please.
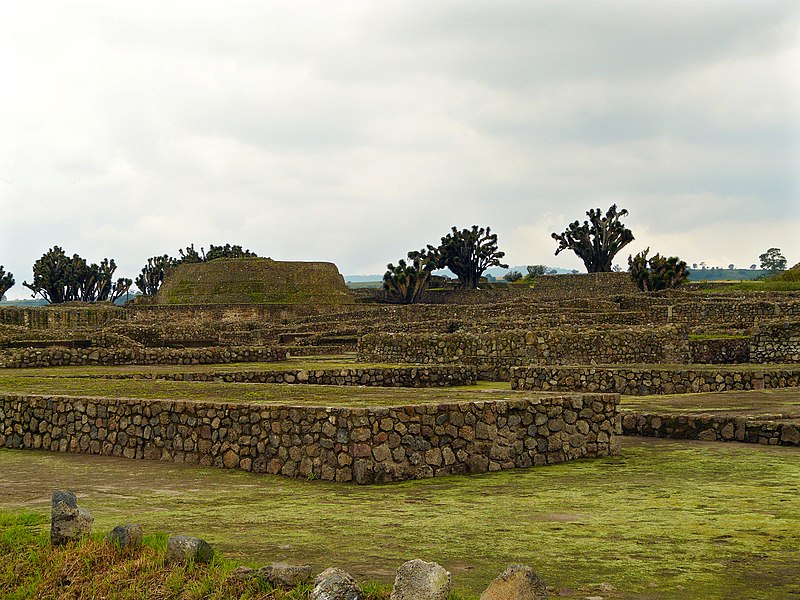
(664, 519)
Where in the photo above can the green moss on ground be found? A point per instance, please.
(752, 402)
(664, 519)
(262, 393)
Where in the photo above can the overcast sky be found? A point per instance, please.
(354, 132)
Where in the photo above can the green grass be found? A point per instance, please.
(784, 401)
(716, 336)
(262, 393)
(664, 519)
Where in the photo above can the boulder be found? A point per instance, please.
(243, 573)
(517, 582)
(420, 580)
(125, 537)
(335, 584)
(68, 521)
(183, 549)
(283, 575)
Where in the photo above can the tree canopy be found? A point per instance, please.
(6, 281)
(597, 240)
(469, 252)
(406, 281)
(58, 278)
(773, 260)
(658, 272)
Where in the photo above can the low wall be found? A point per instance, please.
(364, 445)
(584, 285)
(714, 428)
(494, 353)
(646, 381)
(412, 377)
(777, 342)
(720, 351)
(57, 357)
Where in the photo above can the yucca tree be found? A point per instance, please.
(6, 281)
(469, 252)
(152, 275)
(597, 240)
(406, 281)
(658, 272)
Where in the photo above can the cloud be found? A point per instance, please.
(358, 131)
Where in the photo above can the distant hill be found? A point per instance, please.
(726, 274)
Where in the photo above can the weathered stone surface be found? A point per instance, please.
(68, 522)
(284, 575)
(517, 582)
(421, 580)
(183, 549)
(243, 573)
(335, 584)
(125, 537)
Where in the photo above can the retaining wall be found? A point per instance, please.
(413, 377)
(494, 353)
(777, 342)
(768, 430)
(364, 445)
(57, 357)
(648, 380)
(720, 351)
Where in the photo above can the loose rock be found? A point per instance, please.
(420, 580)
(517, 582)
(68, 521)
(284, 575)
(125, 537)
(183, 549)
(335, 584)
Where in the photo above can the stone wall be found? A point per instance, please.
(584, 285)
(61, 317)
(364, 445)
(768, 430)
(494, 353)
(739, 311)
(412, 377)
(776, 342)
(648, 380)
(58, 357)
(720, 351)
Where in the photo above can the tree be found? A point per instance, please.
(658, 272)
(469, 252)
(58, 278)
(512, 276)
(536, 270)
(598, 240)
(6, 281)
(406, 281)
(772, 260)
(190, 255)
(152, 276)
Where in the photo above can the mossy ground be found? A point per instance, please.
(785, 401)
(664, 519)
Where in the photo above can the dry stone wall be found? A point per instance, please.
(648, 380)
(770, 430)
(62, 317)
(495, 353)
(720, 351)
(413, 377)
(777, 342)
(58, 357)
(361, 445)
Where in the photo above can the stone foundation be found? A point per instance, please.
(361, 445)
(770, 430)
(643, 381)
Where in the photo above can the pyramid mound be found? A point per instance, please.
(254, 281)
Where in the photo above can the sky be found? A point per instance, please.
(354, 132)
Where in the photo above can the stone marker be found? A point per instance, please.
(335, 584)
(183, 549)
(517, 582)
(125, 537)
(67, 520)
(420, 580)
(284, 575)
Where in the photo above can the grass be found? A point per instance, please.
(784, 401)
(664, 519)
(716, 336)
(32, 568)
(262, 393)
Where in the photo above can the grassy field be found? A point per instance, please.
(784, 401)
(663, 519)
